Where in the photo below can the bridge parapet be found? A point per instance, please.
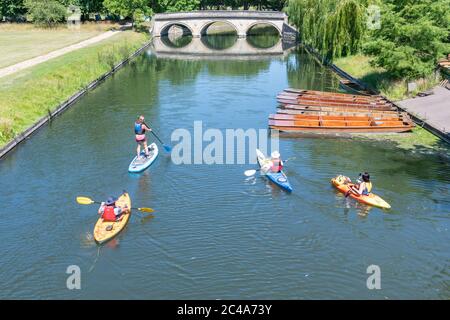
(197, 22)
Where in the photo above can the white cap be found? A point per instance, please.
(275, 154)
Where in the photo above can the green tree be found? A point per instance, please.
(46, 12)
(412, 36)
(11, 8)
(134, 9)
(333, 27)
(175, 5)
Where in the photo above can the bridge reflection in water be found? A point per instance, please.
(221, 47)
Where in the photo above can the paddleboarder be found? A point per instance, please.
(140, 128)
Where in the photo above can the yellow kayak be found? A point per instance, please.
(106, 230)
(340, 182)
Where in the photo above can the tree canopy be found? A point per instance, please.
(412, 36)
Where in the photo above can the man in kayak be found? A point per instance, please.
(109, 211)
(277, 163)
(362, 187)
(274, 164)
(139, 129)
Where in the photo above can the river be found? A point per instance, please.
(216, 234)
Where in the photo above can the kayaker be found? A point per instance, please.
(109, 211)
(363, 187)
(139, 129)
(277, 163)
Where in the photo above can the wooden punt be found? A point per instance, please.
(330, 104)
(332, 100)
(327, 93)
(279, 116)
(385, 114)
(334, 109)
(339, 126)
(352, 87)
(350, 98)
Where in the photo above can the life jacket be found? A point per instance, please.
(108, 214)
(277, 165)
(138, 128)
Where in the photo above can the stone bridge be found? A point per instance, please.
(197, 49)
(197, 22)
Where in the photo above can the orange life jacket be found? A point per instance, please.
(277, 165)
(108, 214)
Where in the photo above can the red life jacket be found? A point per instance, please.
(277, 165)
(108, 214)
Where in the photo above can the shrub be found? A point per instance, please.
(46, 12)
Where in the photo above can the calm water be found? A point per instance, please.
(217, 234)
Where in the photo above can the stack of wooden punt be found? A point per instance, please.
(308, 111)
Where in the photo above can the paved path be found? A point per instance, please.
(37, 60)
(433, 109)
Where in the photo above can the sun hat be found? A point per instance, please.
(111, 200)
(275, 154)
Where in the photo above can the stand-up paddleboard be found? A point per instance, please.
(279, 178)
(106, 230)
(141, 163)
(341, 183)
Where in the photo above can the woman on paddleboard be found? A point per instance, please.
(139, 130)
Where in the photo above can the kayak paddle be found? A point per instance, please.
(166, 147)
(252, 172)
(86, 200)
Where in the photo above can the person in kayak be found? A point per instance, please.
(363, 187)
(277, 163)
(139, 129)
(109, 211)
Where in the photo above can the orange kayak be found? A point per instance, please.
(341, 183)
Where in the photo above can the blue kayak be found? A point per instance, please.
(141, 163)
(279, 178)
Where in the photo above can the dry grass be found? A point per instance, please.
(24, 41)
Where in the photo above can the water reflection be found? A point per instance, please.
(219, 42)
(258, 46)
(176, 41)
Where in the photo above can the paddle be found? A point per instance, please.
(252, 172)
(166, 147)
(86, 200)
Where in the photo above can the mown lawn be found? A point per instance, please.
(28, 95)
(19, 42)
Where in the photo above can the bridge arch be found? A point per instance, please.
(205, 26)
(165, 28)
(262, 22)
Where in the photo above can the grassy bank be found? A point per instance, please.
(30, 94)
(378, 79)
(20, 42)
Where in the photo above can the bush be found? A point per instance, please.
(46, 12)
